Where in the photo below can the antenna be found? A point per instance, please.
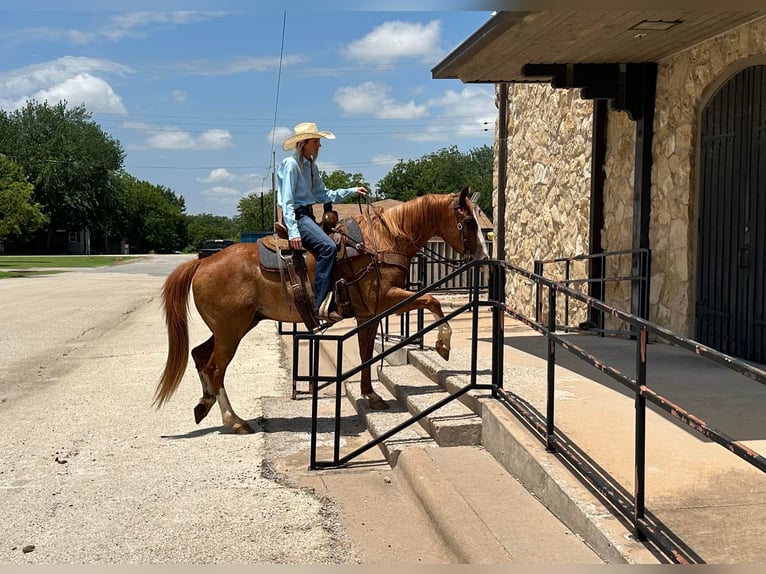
(274, 126)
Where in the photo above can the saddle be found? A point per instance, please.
(276, 256)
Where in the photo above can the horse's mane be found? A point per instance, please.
(399, 228)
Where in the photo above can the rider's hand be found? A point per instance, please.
(296, 244)
(361, 191)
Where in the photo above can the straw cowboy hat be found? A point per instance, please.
(305, 131)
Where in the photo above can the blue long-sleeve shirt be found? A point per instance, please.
(295, 189)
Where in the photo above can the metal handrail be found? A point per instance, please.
(544, 425)
(641, 259)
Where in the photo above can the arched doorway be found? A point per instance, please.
(731, 232)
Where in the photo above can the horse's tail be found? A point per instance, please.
(175, 297)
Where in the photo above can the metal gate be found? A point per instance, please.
(731, 233)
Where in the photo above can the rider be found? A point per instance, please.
(299, 188)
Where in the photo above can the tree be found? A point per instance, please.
(444, 171)
(153, 217)
(68, 159)
(340, 179)
(207, 226)
(20, 215)
(256, 212)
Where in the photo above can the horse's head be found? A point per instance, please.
(467, 239)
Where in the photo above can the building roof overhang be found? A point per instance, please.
(532, 46)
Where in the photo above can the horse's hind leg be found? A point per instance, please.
(213, 372)
(201, 355)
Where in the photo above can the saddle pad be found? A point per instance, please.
(267, 252)
(354, 235)
(267, 246)
(352, 230)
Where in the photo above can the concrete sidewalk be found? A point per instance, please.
(711, 501)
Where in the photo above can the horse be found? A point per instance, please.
(233, 293)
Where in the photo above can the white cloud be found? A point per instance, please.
(179, 96)
(236, 65)
(119, 26)
(278, 135)
(385, 160)
(374, 98)
(222, 192)
(396, 40)
(77, 80)
(218, 175)
(172, 137)
(473, 110)
(96, 94)
(214, 139)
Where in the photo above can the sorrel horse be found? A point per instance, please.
(233, 294)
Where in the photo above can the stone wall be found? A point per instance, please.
(547, 198)
(549, 162)
(685, 83)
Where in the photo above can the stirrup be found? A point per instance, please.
(324, 310)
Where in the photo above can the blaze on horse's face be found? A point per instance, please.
(466, 215)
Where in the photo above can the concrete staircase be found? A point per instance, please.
(409, 385)
(412, 380)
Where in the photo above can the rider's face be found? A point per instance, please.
(311, 147)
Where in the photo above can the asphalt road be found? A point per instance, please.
(91, 473)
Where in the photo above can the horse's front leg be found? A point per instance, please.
(444, 332)
(366, 338)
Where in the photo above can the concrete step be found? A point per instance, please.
(398, 357)
(438, 370)
(453, 424)
(380, 422)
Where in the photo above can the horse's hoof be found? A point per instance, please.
(200, 412)
(375, 402)
(242, 428)
(443, 351)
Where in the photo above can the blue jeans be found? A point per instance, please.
(316, 241)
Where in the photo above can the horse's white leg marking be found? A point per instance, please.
(230, 418)
(227, 413)
(443, 338)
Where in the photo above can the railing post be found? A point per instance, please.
(549, 428)
(476, 271)
(421, 283)
(338, 398)
(640, 446)
(567, 276)
(538, 270)
(314, 379)
(497, 297)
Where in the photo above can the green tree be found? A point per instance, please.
(68, 159)
(340, 179)
(152, 217)
(256, 212)
(444, 171)
(20, 215)
(207, 226)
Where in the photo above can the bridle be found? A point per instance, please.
(456, 206)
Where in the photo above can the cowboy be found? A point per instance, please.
(299, 188)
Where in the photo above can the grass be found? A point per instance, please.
(27, 265)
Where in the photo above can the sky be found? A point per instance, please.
(201, 99)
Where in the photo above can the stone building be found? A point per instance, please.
(633, 131)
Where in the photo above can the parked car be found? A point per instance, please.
(213, 246)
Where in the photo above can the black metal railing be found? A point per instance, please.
(545, 426)
(317, 381)
(597, 279)
(631, 507)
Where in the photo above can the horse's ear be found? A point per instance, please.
(463, 194)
